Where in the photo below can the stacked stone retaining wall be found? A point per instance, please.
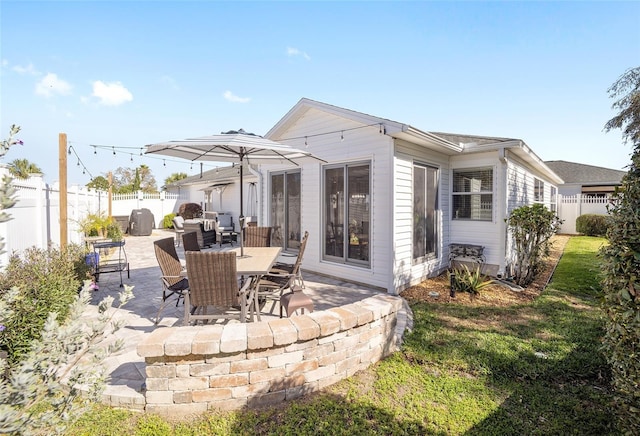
(198, 368)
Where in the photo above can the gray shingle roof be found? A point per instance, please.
(572, 172)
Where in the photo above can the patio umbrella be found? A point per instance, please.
(233, 146)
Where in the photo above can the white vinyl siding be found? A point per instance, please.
(405, 271)
(359, 145)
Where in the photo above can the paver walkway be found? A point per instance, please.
(126, 369)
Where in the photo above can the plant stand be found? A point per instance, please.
(110, 265)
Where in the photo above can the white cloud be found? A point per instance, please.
(228, 95)
(29, 70)
(295, 52)
(111, 94)
(50, 85)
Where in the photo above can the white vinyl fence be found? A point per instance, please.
(571, 207)
(36, 214)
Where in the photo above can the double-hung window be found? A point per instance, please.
(473, 194)
(347, 213)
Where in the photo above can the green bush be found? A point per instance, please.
(190, 210)
(167, 221)
(531, 228)
(48, 281)
(592, 224)
(472, 282)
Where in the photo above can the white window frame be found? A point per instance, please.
(476, 197)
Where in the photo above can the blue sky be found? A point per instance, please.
(126, 74)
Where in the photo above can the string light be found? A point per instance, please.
(131, 157)
(114, 151)
(381, 129)
(79, 163)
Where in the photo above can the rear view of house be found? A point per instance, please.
(392, 198)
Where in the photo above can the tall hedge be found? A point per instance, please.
(621, 285)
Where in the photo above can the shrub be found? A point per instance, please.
(592, 224)
(621, 285)
(48, 281)
(41, 393)
(531, 228)
(167, 221)
(465, 280)
(190, 210)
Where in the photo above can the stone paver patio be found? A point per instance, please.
(127, 370)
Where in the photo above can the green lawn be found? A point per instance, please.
(529, 369)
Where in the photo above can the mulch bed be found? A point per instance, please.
(495, 294)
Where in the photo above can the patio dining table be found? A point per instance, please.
(256, 262)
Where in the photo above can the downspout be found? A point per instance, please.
(502, 211)
(259, 189)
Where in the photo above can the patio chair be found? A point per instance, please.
(214, 282)
(283, 276)
(190, 242)
(206, 238)
(225, 228)
(173, 278)
(178, 226)
(257, 236)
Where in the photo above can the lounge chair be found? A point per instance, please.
(206, 238)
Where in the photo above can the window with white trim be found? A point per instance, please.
(473, 194)
(553, 202)
(425, 212)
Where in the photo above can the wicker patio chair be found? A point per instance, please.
(257, 236)
(214, 282)
(190, 242)
(283, 276)
(173, 277)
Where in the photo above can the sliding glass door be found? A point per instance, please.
(347, 213)
(285, 210)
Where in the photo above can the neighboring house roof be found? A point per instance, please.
(572, 172)
(447, 143)
(222, 175)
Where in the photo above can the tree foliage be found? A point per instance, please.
(7, 191)
(621, 283)
(99, 183)
(174, 177)
(531, 228)
(627, 92)
(127, 180)
(22, 168)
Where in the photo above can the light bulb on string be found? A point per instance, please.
(191, 166)
(342, 136)
(131, 157)
(114, 150)
(164, 163)
(140, 152)
(78, 163)
(95, 150)
(305, 142)
(69, 150)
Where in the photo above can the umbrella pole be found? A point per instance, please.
(241, 218)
